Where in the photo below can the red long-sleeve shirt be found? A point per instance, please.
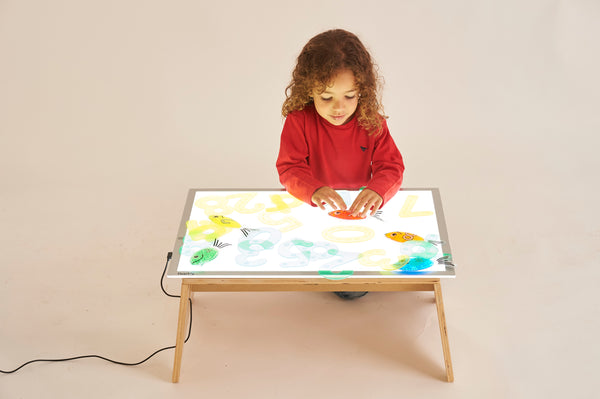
(314, 153)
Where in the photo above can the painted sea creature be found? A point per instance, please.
(228, 222)
(224, 221)
(401, 236)
(206, 255)
(203, 256)
(347, 215)
(344, 214)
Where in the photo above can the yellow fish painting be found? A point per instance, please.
(224, 221)
(228, 222)
(403, 237)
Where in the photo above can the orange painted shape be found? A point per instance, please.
(401, 236)
(346, 215)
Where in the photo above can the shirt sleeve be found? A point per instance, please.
(387, 166)
(293, 161)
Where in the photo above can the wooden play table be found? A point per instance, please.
(266, 240)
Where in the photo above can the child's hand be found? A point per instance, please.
(366, 200)
(328, 196)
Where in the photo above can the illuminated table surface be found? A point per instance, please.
(267, 240)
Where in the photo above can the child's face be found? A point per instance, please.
(338, 102)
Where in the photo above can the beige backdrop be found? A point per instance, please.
(111, 110)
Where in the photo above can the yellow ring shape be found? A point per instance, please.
(330, 234)
(220, 206)
(244, 199)
(365, 259)
(292, 222)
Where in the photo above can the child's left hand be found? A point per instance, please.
(366, 200)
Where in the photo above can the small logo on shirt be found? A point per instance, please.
(363, 148)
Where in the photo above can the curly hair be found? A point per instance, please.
(321, 60)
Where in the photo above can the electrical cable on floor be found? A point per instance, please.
(169, 255)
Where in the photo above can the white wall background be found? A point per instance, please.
(111, 110)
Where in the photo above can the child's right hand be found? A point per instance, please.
(328, 196)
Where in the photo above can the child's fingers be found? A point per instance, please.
(375, 207)
(338, 201)
(334, 201)
(365, 201)
(328, 196)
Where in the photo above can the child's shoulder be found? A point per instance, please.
(304, 116)
(307, 110)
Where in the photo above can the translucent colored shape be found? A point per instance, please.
(366, 259)
(250, 259)
(287, 223)
(417, 264)
(339, 258)
(302, 243)
(241, 205)
(205, 230)
(260, 240)
(214, 205)
(331, 275)
(333, 234)
(304, 252)
(281, 205)
(432, 237)
(323, 250)
(255, 246)
(408, 205)
(298, 253)
(402, 260)
(418, 249)
(252, 246)
(189, 248)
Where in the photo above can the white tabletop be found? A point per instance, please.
(259, 233)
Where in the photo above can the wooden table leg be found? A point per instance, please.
(183, 309)
(437, 287)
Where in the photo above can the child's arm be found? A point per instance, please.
(292, 163)
(387, 167)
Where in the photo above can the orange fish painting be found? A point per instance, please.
(403, 237)
(346, 215)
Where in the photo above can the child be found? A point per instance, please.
(334, 136)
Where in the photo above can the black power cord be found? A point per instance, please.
(169, 255)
